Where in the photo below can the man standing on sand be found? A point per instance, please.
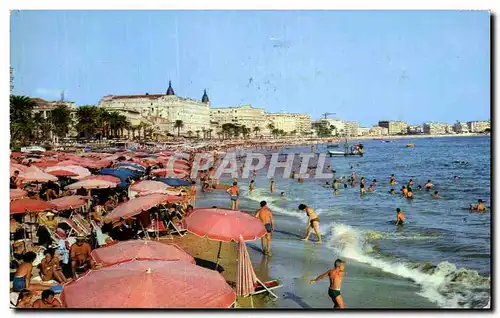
(312, 222)
(336, 275)
(234, 192)
(266, 217)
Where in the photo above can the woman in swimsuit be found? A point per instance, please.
(312, 223)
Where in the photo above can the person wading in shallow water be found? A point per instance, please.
(266, 217)
(336, 275)
(234, 192)
(312, 223)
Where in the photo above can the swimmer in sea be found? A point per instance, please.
(254, 172)
(456, 177)
(271, 187)
(374, 182)
(392, 192)
(435, 195)
(428, 185)
(234, 192)
(409, 195)
(336, 275)
(400, 217)
(480, 207)
(362, 181)
(336, 192)
(392, 180)
(293, 175)
(370, 188)
(283, 196)
(312, 222)
(419, 188)
(335, 185)
(251, 187)
(404, 191)
(345, 185)
(300, 179)
(411, 182)
(362, 188)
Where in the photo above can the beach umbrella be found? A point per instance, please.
(149, 284)
(138, 205)
(17, 194)
(149, 187)
(40, 177)
(140, 250)
(129, 165)
(80, 171)
(174, 182)
(69, 202)
(105, 178)
(245, 278)
(98, 164)
(170, 172)
(30, 205)
(123, 174)
(224, 225)
(91, 184)
(62, 173)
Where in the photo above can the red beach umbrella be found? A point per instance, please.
(140, 250)
(91, 184)
(62, 173)
(69, 202)
(169, 172)
(149, 284)
(224, 225)
(30, 205)
(17, 194)
(137, 205)
(246, 278)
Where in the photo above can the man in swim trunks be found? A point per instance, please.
(336, 276)
(435, 195)
(404, 191)
(312, 222)
(392, 192)
(272, 186)
(234, 192)
(400, 217)
(80, 254)
(392, 180)
(266, 217)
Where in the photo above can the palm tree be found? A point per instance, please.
(87, 120)
(61, 120)
(198, 133)
(21, 119)
(189, 133)
(37, 124)
(226, 129)
(179, 125)
(256, 130)
(275, 132)
(271, 127)
(204, 133)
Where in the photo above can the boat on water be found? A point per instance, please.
(356, 150)
(386, 141)
(335, 145)
(410, 146)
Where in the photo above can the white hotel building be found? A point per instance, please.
(162, 111)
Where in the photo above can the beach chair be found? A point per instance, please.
(74, 229)
(179, 228)
(262, 287)
(82, 223)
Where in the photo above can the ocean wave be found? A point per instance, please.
(443, 284)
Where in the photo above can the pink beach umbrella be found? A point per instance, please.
(80, 171)
(103, 178)
(62, 173)
(138, 205)
(149, 284)
(69, 202)
(140, 250)
(91, 184)
(17, 194)
(40, 177)
(30, 205)
(149, 187)
(180, 173)
(246, 278)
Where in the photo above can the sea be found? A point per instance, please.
(440, 258)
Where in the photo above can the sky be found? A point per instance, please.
(367, 66)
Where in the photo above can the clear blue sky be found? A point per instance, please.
(366, 65)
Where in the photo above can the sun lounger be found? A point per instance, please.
(262, 287)
(82, 223)
(74, 229)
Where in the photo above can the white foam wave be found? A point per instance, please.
(444, 284)
(260, 195)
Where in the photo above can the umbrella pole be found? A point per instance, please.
(218, 256)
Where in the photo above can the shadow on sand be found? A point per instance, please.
(208, 264)
(296, 299)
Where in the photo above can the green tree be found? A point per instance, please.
(21, 120)
(256, 130)
(87, 118)
(189, 133)
(60, 118)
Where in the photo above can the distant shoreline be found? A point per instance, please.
(413, 136)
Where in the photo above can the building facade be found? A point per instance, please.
(395, 127)
(363, 131)
(162, 110)
(478, 126)
(461, 128)
(415, 129)
(435, 128)
(288, 122)
(351, 128)
(245, 115)
(378, 131)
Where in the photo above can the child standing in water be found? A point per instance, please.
(251, 187)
